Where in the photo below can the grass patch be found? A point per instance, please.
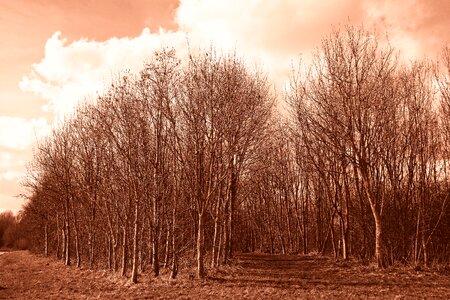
(252, 276)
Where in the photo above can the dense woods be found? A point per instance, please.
(193, 159)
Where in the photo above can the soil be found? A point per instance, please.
(253, 276)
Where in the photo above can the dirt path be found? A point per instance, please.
(256, 276)
(323, 277)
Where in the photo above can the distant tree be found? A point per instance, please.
(8, 224)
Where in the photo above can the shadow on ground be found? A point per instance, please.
(307, 272)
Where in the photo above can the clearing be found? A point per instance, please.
(254, 276)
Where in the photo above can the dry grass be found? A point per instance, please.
(254, 276)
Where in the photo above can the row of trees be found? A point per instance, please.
(139, 175)
(11, 233)
(190, 157)
(369, 138)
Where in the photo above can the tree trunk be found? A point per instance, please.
(155, 251)
(174, 273)
(134, 276)
(219, 246)
(58, 238)
(333, 240)
(91, 248)
(345, 218)
(226, 236)
(63, 242)
(215, 240)
(77, 238)
(109, 241)
(201, 273)
(233, 195)
(425, 254)
(67, 241)
(155, 238)
(288, 219)
(379, 255)
(46, 239)
(124, 251)
(167, 247)
(344, 239)
(92, 238)
(77, 247)
(115, 246)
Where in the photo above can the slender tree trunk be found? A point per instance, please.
(109, 241)
(305, 233)
(92, 238)
(142, 257)
(226, 235)
(124, 251)
(115, 246)
(219, 246)
(288, 219)
(282, 243)
(215, 240)
(77, 238)
(425, 254)
(333, 240)
(379, 251)
(253, 241)
(91, 248)
(201, 273)
(174, 272)
(343, 240)
(67, 239)
(345, 219)
(379, 255)
(155, 251)
(134, 271)
(324, 242)
(113, 240)
(46, 238)
(63, 241)
(233, 195)
(155, 235)
(58, 238)
(77, 247)
(167, 247)
(150, 242)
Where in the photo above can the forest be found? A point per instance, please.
(197, 158)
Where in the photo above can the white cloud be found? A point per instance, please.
(280, 26)
(9, 202)
(268, 32)
(70, 72)
(20, 133)
(5, 160)
(11, 175)
(272, 33)
(416, 27)
(12, 168)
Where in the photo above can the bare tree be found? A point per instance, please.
(349, 101)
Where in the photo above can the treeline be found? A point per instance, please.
(192, 157)
(12, 236)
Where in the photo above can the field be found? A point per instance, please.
(253, 276)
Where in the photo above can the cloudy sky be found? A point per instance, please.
(54, 53)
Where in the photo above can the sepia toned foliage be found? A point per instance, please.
(187, 162)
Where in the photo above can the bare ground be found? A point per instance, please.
(254, 276)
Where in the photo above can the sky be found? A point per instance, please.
(55, 53)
